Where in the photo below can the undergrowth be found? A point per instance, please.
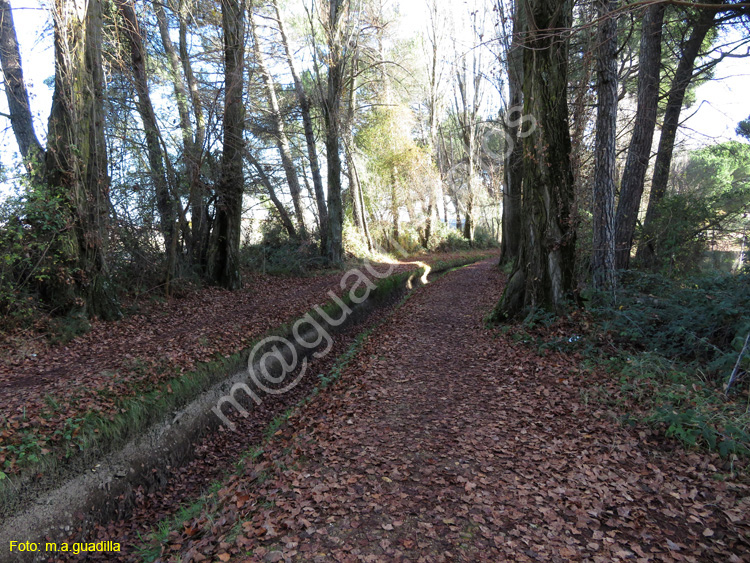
(698, 320)
(671, 345)
(683, 403)
(675, 345)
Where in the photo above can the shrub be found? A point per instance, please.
(278, 254)
(447, 239)
(708, 201)
(483, 238)
(32, 230)
(700, 319)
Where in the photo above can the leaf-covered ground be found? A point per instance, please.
(444, 441)
(46, 390)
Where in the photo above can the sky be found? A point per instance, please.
(30, 18)
(720, 103)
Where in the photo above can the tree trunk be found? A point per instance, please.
(469, 217)
(639, 151)
(648, 246)
(332, 117)
(282, 142)
(225, 269)
(15, 90)
(467, 117)
(349, 147)
(186, 97)
(429, 212)
(76, 159)
(310, 194)
(180, 92)
(511, 227)
(603, 256)
(280, 209)
(312, 152)
(394, 202)
(355, 189)
(445, 203)
(543, 276)
(459, 223)
(363, 208)
(434, 36)
(164, 203)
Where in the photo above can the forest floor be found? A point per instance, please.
(49, 392)
(445, 440)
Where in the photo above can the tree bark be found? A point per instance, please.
(282, 142)
(648, 246)
(639, 151)
(469, 217)
(76, 158)
(543, 276)
(312, 152)
(225, 269)
(74, 167)
(15, 90)
(603, 256)
(332, 117)
(511, 226)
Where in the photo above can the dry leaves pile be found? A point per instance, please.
(443, 441)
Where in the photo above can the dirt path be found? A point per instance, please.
(45, 390)
(443, 441)
(215, 456)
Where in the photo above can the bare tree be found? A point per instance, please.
(468, 103)
(187, 99)
(157, 170)
(359, 212)
(336, 30)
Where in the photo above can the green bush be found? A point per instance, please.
(32, 231)
(278, 254)
(708, 201)
(484, 239)
(703, 320)
(447, 239)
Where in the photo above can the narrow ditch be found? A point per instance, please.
(176, 461)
